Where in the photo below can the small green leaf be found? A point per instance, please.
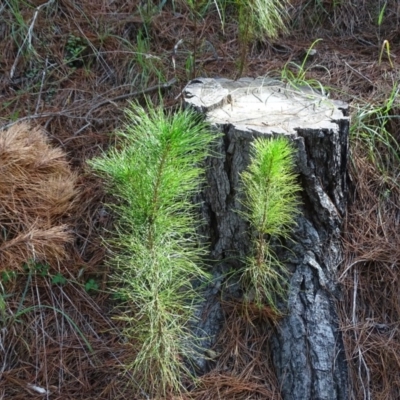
(41, 269)
(8, 276)
(58, 279)
(91, 284)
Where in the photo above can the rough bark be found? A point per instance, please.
(307, 346)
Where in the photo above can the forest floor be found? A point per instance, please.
(71, 68)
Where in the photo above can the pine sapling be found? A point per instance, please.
(271, 206)
(156, 250)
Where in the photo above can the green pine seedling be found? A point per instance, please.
(258, 19)
(156, 251)
(271, 206)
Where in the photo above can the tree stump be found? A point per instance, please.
(307, 347)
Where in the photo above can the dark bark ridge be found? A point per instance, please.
(307, 347)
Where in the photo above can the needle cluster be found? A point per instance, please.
(271, 206)
(157, 253)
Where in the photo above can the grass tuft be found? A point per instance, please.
(372, 128)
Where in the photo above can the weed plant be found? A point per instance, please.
(157, 253)
(298, 80)
(385, 46)
(271, 204)
(371, 127)
(33, 272)
(150, 65)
